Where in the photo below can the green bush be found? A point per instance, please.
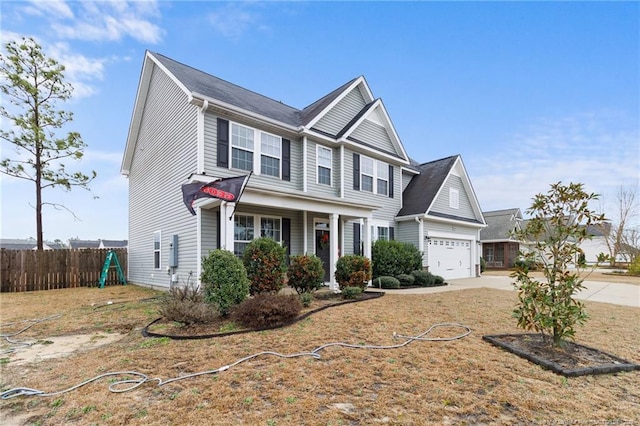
(265, 261)
(391, 258)
(185, 304)
(634, 267)
(267, 309)
(386, 282)
(351, 292)
(405, 280)
(224, 279)
(483, 264)
(422, 278)
(306, 299)
(353, 271)
(438, 280)
(305, 273)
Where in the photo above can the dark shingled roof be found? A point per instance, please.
(499, 224)
(422, 189)
(213, 87)
(80, 244)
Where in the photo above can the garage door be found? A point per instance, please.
(450, 258)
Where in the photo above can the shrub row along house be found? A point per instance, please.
(328, 179)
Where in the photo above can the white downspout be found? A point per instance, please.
(200, 154)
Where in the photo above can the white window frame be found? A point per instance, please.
(320, 148)
(257, 151)
(379, 172)
(375, 230)
(372, 175)
(233, 146)
(262, 153)
(382, 171)
(454, 198)
(157, 238)
(257, 227)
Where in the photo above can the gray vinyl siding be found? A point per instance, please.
(262, 181)
(341, 114)
(408, 232)
(165, 155)
(388, 207)
(441, 204)
(375, 135)
(312, 170)
(209, 230)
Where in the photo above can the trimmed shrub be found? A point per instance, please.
(391, 258)
(422, 278)
(224, 279)
(185, 304)
(483, 264)
(386, 282)
(351, 292)
(265, 261)
(305, 273)
(353, 271)
(438, 280)
(267, 310)
(405, 280)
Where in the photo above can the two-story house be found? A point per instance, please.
(327, 179)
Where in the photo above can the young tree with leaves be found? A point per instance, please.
(558, 225)
(34, 84)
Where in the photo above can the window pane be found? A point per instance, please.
(366, 166)
(270, 145)
(366, 183)
(156, 260)
(242, 137)
(324, 175)
(270, 227)
(324, 157)
(382, 186)
(270, 166)
(383, 170)
(383, 233)
(243, 228)
(241, 159)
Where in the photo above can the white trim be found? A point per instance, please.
(201, 119)
(342, 171)
(199, 244)
(305, 167)
(347, 90)
(159, 250)
(318, 165)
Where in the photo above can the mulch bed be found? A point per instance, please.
(163, 328)
(571, 360)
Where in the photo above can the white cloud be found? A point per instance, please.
(111, 21)
(235, 19)
(49, 8)
(601, 151)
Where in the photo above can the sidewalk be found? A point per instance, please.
(595, 291)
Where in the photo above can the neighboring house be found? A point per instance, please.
(327, 179)
(499, 248)
(26, 244)
(84, 244)
(113, 244)
(598, 243)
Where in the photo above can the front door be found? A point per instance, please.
(323, 247)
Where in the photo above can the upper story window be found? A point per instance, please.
(241, 147)
(454, 198)
(270, 154)
(366, 174)
(156, 249)
(382, 175)
(325, 159)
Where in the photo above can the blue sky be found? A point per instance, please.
(529, 93)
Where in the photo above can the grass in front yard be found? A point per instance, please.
(466, 380)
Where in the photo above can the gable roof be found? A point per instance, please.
(423, 188)
(500, 224)
(114, 243)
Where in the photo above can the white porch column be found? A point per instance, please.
(366, 237)
(198, 244)
(226, 226)
(305, 230)
(333, 251)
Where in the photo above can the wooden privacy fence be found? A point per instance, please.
(31, 270)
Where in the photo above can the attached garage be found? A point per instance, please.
(450, 258)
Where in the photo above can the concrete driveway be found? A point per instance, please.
(595, 291)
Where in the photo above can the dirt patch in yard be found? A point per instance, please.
(455, 382)
(601, 275)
